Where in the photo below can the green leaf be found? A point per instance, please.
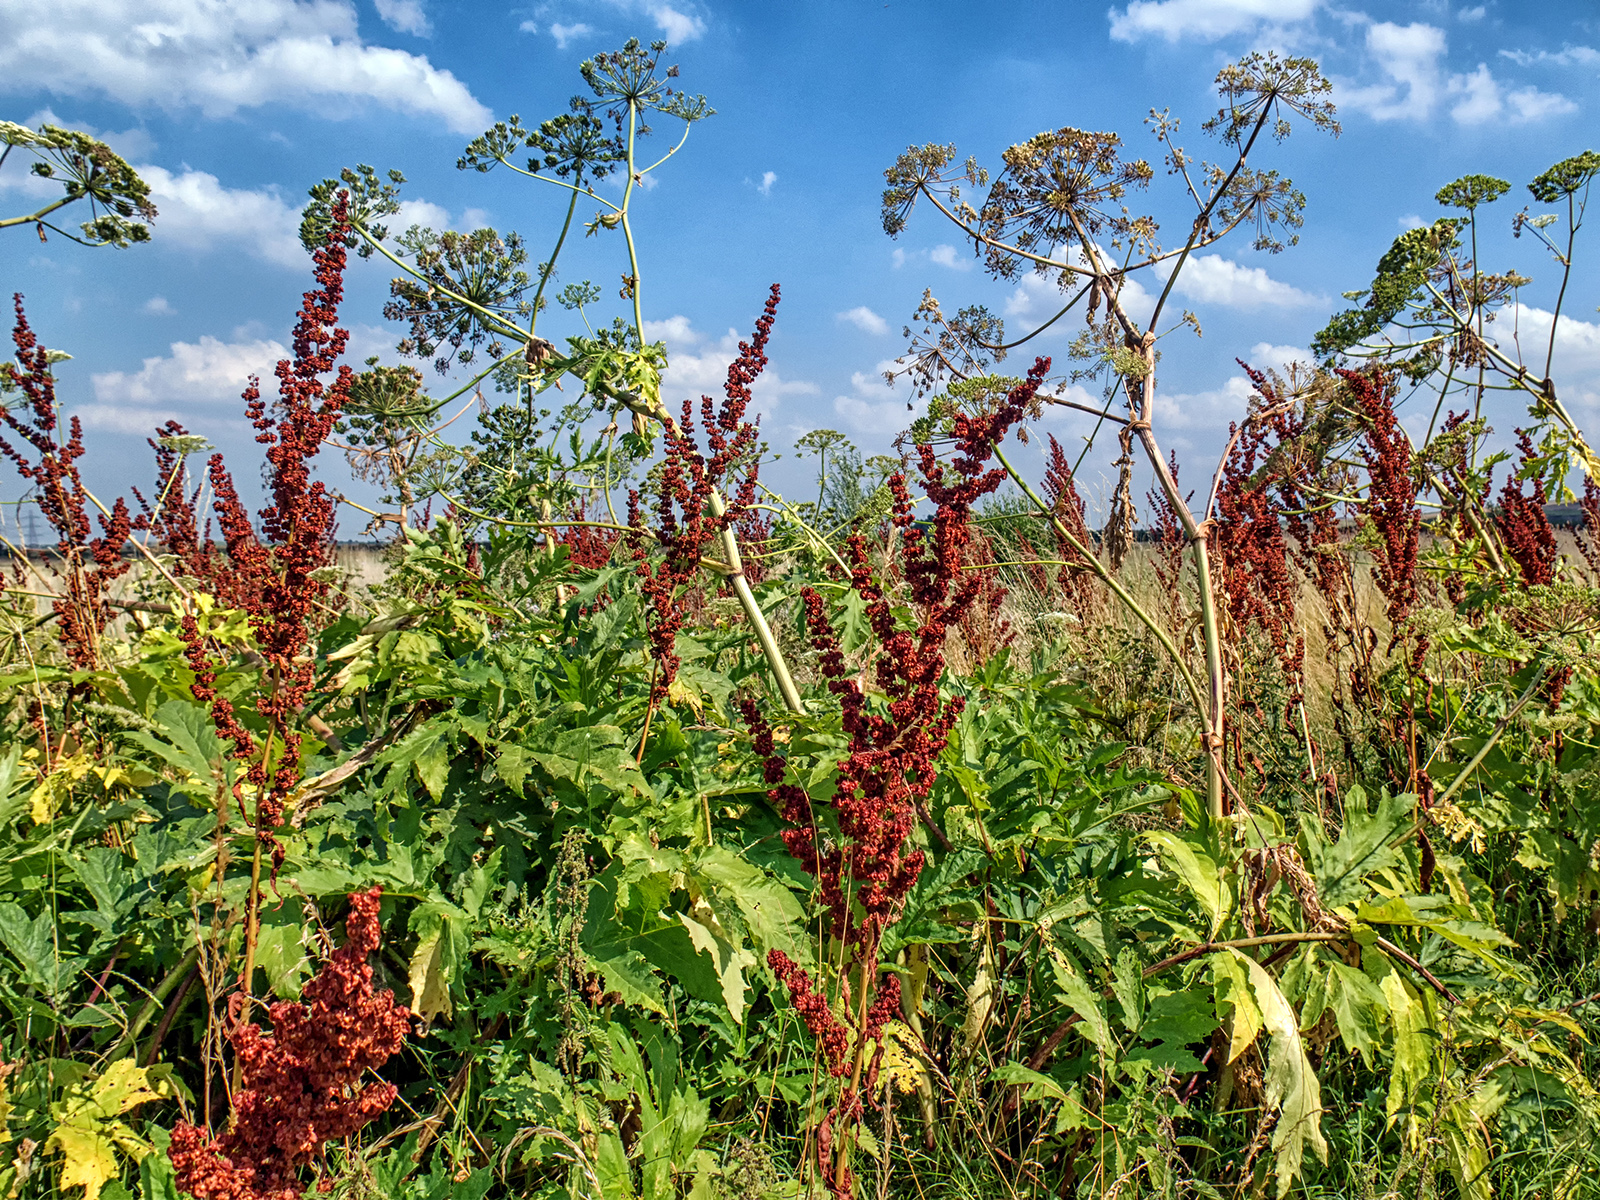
(1187, 858)
(1362, 848)
(1075, 991)
(1410, 1070)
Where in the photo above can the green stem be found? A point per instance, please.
(1494, 737)
(634, 284)
(153, 1004)
(1122, 593)
(753, 613)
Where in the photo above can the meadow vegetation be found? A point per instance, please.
(644, 834)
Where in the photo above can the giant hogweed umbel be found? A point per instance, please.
(863, 859)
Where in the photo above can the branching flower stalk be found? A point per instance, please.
(276, 574)
(863, 859)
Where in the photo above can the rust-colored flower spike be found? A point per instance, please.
(890, 768)
(88, 565)
(302, 1083)
(273, 573)
(1589, 537)
(1077, 578)
(1391, 499)
(1252, 556)
(1523, 525)
(685, 525)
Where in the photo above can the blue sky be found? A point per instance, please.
(231, 110)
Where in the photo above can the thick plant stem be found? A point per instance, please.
(753, 613)
(1110, 580)
(1198, 534)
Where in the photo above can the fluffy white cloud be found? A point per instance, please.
(676, 25)
(1207, 20)
(222, 57)
(875, 408)
(768, 178)
(864, 319)
(1411, 57)
(564, 34)
(405, 16)
(1576, 366)
(137, 420)
(157, 306)
(1567, 56)
(1212, 279)
(207, 371)
(1484, 99)
(1264, 354)
(198, 212)
(698, 366)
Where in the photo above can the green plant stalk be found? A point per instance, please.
(1122, 593)
(634, 282)
(129, 1039)
(1197, 533)
(1500, 727)
(753, 613)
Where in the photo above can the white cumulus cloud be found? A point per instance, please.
(222, 57)
(697, 365)
(1411, 59)
(768, 178)
(198, 212)
(405, 16)
(864, 319)
(207, 371)
(157, 306)
(1212, 279)
(1207, 20)
(564, 34)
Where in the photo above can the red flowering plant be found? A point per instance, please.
(87, 563)
(276, 575)
(302, 1084)
(859, 844)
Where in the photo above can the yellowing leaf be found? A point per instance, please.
(89, 1158)
(1235, 1001)
(430, 989)
(1292, 1086)
(728, 959)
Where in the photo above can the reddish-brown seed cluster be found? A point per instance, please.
(173, 522)
(87, 564)
(1589, 536)
(301, 1082)
(1523, 525)
(685, 526)
(984, 629)
(832, 1037)
(588, 548)
(273, 575)
(1251, 555)
(1391, 499)
(864, 876)
(1170, 544)
(1077, 578)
